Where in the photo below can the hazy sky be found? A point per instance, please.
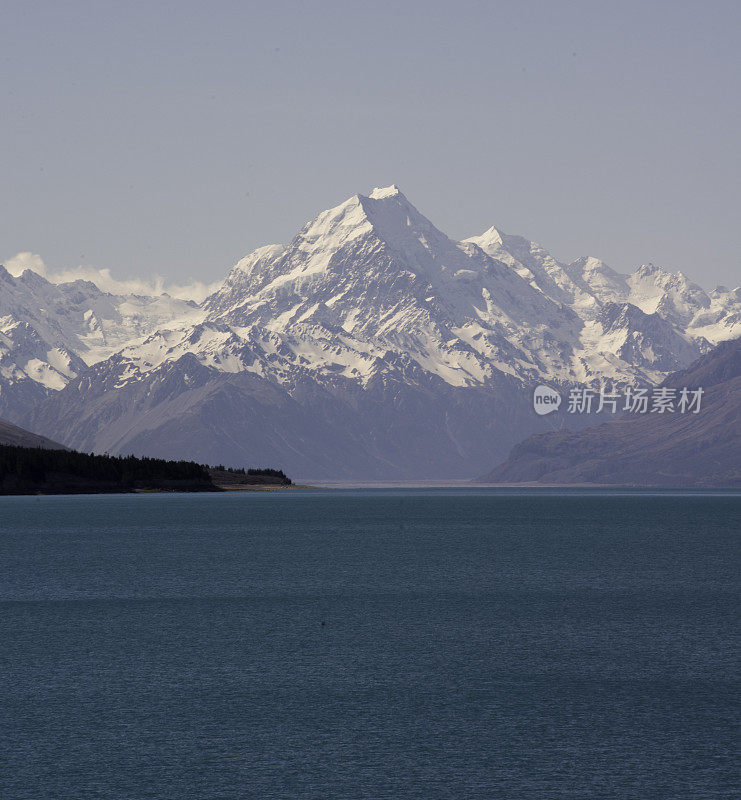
(173, 138)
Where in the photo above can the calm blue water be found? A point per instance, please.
(476, 644)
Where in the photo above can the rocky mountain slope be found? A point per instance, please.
(670, 449)
(371, 345)
(19, 437)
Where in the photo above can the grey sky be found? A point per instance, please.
(173, 138)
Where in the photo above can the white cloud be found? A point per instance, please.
(23, 261)
(102, 278)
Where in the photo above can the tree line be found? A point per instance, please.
(35, 465)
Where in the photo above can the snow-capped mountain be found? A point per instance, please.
(49, 333)
(371, 345)
(365, 279)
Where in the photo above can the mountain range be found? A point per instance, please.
(371, 346)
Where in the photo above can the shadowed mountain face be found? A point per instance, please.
(672, 449)
(19, 437)
(403, 423)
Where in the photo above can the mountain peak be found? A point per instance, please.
(385, 213)
(649, 269)
(32, 278)
(491, 237)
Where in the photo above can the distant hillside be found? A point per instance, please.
(19, 437)
(649, 449)
(37, 470)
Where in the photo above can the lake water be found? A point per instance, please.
(369, 644)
